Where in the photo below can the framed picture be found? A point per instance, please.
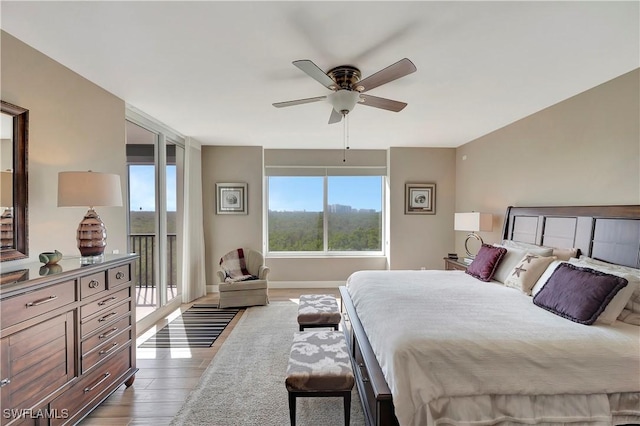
(231, 198)
(419, 198)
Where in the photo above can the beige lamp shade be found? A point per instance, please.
(473, 222)
(6, 189)
(88, 189)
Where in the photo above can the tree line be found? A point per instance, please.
(302, 231)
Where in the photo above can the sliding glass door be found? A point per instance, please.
(155, 172)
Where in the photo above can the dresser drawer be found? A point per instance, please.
(103, 303)
(92, 284)
(105, 350)
(107, 316)
(119, 276)
(29, 305)
(90, 387)
(105, 334)
(39, 360)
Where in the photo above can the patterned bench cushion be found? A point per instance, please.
(319, 361)
(318, 309)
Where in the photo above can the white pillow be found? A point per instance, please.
(508, 262)
(624, 296)
(531, 248)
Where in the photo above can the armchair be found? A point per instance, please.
(246, 293)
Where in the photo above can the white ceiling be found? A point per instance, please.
(211, 70)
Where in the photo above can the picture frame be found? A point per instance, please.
(420, 198)
(231, 198)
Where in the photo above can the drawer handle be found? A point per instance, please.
(94, 284)
(108, 333)
(42, 301)
(104, 318)
(106, 351)
(104, 302)
(105, 376)
(4, 382)
(120, 275)
(365, 379)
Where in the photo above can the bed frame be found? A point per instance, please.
(608, 233)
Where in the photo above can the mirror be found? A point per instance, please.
(13, 179)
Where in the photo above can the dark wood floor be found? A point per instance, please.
(166, 376)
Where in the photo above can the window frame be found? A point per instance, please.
(326, 253)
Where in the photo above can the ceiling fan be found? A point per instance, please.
(348, 89)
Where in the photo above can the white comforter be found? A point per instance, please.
(455, 350)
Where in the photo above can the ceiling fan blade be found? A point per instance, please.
(315, 72)
(335, 116)
(299, 102)
(392, 72)
(388, 104)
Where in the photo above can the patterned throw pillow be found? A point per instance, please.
(526, 272)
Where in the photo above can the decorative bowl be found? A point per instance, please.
(50, 257)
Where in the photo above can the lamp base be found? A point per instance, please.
(471, 236)
(92, 235)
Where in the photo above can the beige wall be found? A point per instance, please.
(223, 233)
(73, 125)
(421, 240)
(583, 151)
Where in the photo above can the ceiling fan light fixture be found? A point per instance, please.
(344, 100)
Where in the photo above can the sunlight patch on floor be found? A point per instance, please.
(153, 353)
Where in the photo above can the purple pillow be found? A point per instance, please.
(486, 262)
(578, 294)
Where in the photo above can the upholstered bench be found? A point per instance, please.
(319, 366)
(318, 310)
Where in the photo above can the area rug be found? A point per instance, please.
(244, 384)
(197, 327)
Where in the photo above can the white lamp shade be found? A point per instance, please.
(88, 189)
(473, 222)
(6, 189)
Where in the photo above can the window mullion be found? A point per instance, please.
(325, 216)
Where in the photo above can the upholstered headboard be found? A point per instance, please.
(608, 233)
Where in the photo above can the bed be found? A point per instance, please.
(462, 351)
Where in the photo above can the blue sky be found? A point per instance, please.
(285, 193)
(142, 194)
(305, 193)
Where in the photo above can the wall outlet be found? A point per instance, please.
(116, 251)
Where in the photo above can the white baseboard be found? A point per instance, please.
(213, 288)
(305, 284)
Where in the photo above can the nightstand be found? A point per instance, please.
(454, 265)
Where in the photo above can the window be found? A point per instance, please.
(325, 214)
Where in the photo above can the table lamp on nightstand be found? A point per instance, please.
(89, 189)
(472, 222)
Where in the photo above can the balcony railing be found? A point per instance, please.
(144, 272)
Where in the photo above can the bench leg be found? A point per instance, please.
(347, 408)
(292, 409)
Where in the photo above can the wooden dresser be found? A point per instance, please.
(67, 338)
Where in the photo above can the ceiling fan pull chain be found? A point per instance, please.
(344, 138)
(346, 120)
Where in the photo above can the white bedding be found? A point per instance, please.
(455, 350)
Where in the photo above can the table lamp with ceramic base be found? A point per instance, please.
(81, 189)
